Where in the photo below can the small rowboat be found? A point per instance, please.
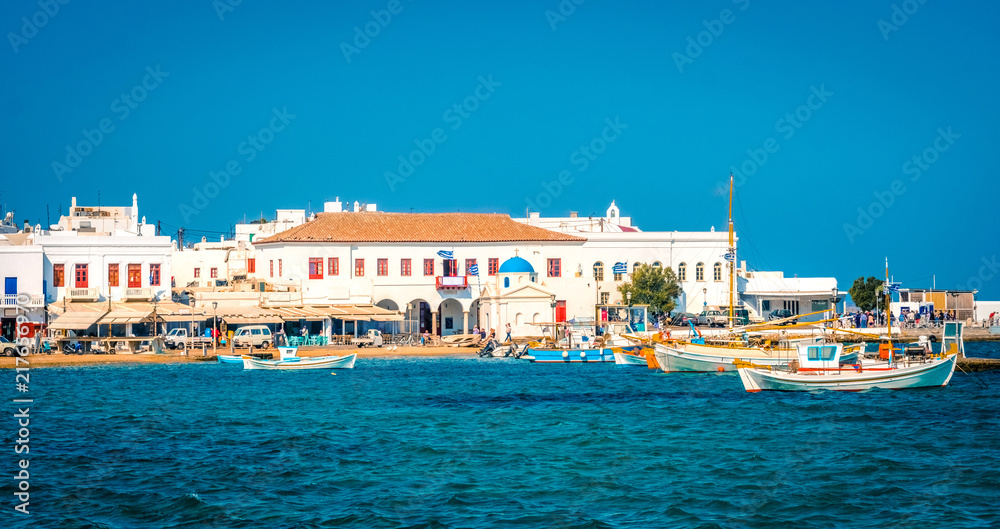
(230, 359)
(298, 363)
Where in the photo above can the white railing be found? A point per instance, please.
(22, 300)
(82, 293)
(145, 294)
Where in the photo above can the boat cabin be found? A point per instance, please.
(823, 356)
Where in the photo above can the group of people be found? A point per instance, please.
(866, 319)
(994, 319)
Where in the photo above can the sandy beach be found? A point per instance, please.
(62, 360)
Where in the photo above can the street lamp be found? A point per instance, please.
(555, 330)
(704, 295)
(215, 320)
(628, 296)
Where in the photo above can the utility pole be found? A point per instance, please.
(157, 227)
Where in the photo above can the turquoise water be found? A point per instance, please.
(499, 443)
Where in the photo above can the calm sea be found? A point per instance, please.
(498, 443)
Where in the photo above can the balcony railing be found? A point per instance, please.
(452, 282)
(22, 300)
(81, 294)
(138, 294)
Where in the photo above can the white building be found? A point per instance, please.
(763, 292)
(24, 291)
(285, 219)
(207, 263)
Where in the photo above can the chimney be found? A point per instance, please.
(72, 202)
(333, 207)
(27, 226)
(573, 214)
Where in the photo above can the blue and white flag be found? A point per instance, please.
(893, 287)
(620, 268)
(445, 254)
(474, 269)
(730, 255)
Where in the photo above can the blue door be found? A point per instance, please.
(10, 285)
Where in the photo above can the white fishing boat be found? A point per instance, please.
(296, 363)
(819, 368)
(626, 358)
(702, 358)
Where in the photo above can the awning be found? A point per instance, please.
(387, 317)
(237, 320)
(302, 313)
(75, 320)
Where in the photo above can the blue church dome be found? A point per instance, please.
(516, 265)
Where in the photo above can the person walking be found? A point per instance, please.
(475, 330)
(508, 338)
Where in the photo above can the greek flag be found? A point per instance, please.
(893, 287)
(474, 269)
(445, 254)
(730, 255)
(620, 268)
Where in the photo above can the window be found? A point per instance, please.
(450, 267)
(469, 265)
(81, 276)
(58, 275)
(618, 277)
(134, 275)
(682, 272)
(699, 272)
(213, 273)
(382, 267)
(333, 266)
(605, 297)
(493, 265)
(765, 306)
(271, 265)
(197, 272)
(792, 306)
(599, 271)
(657, 264)
(554, 267)
(405, 267)
(359, 268)
(717, 272)
(154, 275)
(506, 282)
(251, 266)
(280, 268)
(113, 275)
(428, 267)
(635, 267)
(315, 268)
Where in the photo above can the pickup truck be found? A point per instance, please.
(372, 338)
(179, 339)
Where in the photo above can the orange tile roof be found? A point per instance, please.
(377, 226)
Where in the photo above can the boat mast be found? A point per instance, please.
(732, 255)
(888, 298)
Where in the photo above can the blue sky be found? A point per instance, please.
(842, 102)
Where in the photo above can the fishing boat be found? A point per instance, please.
(630, 358)
(229, 359)
(819, 367)
(298, 363)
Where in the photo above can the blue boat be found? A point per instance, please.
(230, 359)
(571, 356)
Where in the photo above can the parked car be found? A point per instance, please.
(712, 318)
(372, 338)
(682, 318)
(256, 335)
(8, 348)
(179, 339)
(742, 317)
(780, 314)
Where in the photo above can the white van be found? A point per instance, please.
(256, 335)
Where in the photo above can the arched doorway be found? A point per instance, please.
(451, 317)
(389, 327)
(417, 317)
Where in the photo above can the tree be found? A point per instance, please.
(864, 292)
(653, 286)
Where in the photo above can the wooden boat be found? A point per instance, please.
(298, 363)
(229, 359)
(820, 369)
(701, 358)
(630, 359)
